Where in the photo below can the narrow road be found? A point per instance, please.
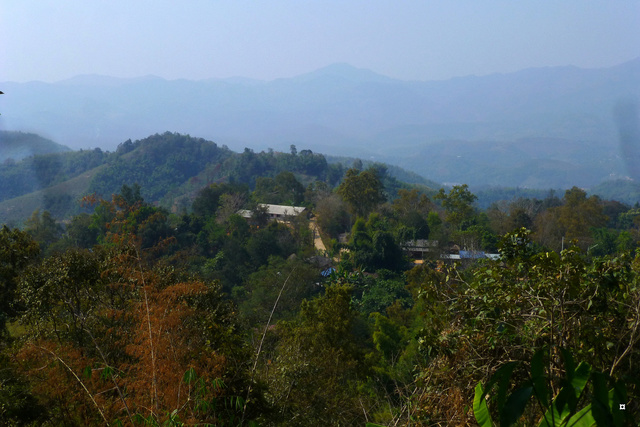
(317, 241)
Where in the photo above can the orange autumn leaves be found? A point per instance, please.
(165, 344)
(125, 359)
(108, 339)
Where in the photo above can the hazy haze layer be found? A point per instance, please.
(50, 40)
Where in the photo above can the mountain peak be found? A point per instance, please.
(344, 71)
(633, 64)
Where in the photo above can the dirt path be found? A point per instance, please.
(317, 241)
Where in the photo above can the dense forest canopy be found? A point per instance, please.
(173, 297)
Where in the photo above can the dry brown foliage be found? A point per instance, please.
(126, 348)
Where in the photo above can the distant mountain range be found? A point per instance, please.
(536, 128)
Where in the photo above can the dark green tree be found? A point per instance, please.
(17, 251)
(362, 191)
(43, 228)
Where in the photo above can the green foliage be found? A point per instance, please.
(362, 191)
(262, 288)
(60, 290)
(17, 251)
(373, 246)
(412, 209)
(45, 170)
(131, 282)
(332, 215)
(102, 309)
(43, 228)
(550, 298)
(388, 337)
(273, 240)
(210, 198)
(248, 166)
(479, 318)
(284, 189)
(476, 237)
(80, 232)
(226, 410)
(457, 204)
(565, 408)
(628, 219)
(158, 163)
(375, 294)
(572, 220)
(605, 242)
(396, 172)
(18, 406)
(314, 373)
(579, 213)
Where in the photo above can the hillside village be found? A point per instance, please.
(260, 288)
(305, 213)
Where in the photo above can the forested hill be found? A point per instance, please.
(170, 169)
(399, 173)
(16, 146)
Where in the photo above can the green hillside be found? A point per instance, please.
(61, 200)
(170, 169)
(158, 164)
(19, 145)
(625, 191)
(46, 170)
(402, 174)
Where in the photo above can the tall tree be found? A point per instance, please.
(457, 204)
(362, 191)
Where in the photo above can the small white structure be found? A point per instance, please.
(282, 212)
(277, 212)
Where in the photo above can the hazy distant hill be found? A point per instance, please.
(537, 127)
(624, 191)
(18, 145)
(528, 162)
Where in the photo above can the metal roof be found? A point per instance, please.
(275, 210)
(284, 210)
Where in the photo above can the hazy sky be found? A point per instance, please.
(418, 40)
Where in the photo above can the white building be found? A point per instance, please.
(277, 212)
